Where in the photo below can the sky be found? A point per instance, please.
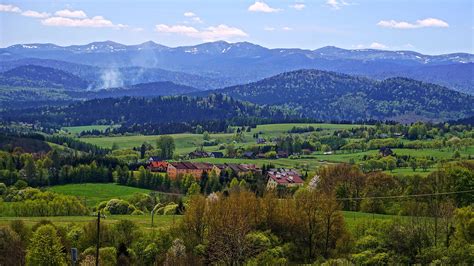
(426, 26)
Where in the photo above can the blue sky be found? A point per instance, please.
(427, 26)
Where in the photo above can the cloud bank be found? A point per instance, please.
(421, 23)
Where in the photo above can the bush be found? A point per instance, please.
(107, 256)
(117, 206)
(21, 184)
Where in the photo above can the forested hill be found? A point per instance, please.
(41, 77)
(139, 111)
(152, 89)
(333, 96)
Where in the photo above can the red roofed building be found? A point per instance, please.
(283, 177)
(158, 166)
(181, 168)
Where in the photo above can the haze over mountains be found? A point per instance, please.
(325, 84)
(219, 64)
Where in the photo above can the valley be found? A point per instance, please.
(231, 153)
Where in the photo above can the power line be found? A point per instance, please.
(409, 196)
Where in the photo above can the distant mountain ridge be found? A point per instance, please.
(243, 62)
(106, 77)
(237, 49)
(41, 77)
(152, 89)
(334, 96)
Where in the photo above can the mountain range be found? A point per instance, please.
(302, 94)
(327, 96)
(219, 64)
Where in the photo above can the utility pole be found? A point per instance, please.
(98, 240)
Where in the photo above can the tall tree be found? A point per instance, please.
(167, 146)
(45, 248)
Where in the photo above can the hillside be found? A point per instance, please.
(113, 76)
(457, 76)
(152, 89)
(227, 64)
(41, 77)
(329, 95)
(139, 111)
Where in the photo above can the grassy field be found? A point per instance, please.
(186, 142)
(409, 171)
(163, 221)
(143, 221)
(438, 154)
(93, 193)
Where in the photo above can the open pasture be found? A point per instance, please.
(93, 193)
(187, 142)
(143, 221)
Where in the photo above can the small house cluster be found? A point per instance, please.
(196, 169)
(276, 177)
(283, 177)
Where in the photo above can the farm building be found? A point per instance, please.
(158, 166)
(283, 177)
(182, 168)
(217, 154)
(198, 154)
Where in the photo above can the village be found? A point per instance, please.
(275, 176)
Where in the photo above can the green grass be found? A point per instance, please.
(163, 221)
(93, 193)
(353, 218)
(143, 221)
(409, 171)
(187, 142)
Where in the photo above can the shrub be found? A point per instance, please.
(117, 206)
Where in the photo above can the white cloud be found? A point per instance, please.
(373, 45)
(219, 32)
(377, 45)
(71, 13)
(421, 23)
(287, 28)
(262, 7)
(269, 28)
(298, 6)
(193, 17)
(336, 4)
(9, 8)
(180, 29)
(94, 22)
(222, 31)
(381, 46)
(35, 14)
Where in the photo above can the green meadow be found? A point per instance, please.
(143, 221)
(93, 193)
(187, 142)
